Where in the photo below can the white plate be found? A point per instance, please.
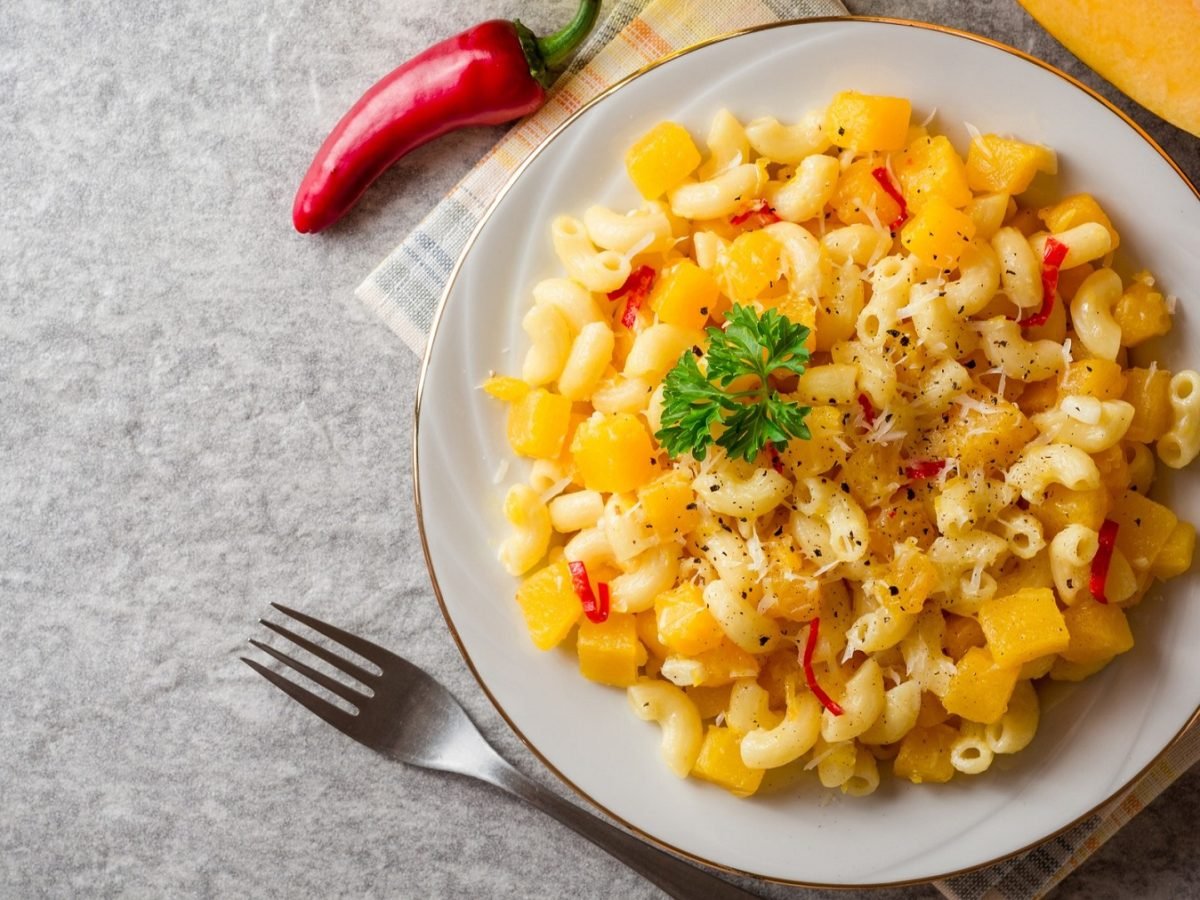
(1094, 738)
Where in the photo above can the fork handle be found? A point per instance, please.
(676, 877)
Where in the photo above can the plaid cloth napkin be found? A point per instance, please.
(405, 288)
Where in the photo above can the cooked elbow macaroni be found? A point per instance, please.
(937, 537)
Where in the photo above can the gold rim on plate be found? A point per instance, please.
(491, 208)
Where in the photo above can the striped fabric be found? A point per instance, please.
(405, 288)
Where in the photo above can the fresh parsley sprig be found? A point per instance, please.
(695, 401)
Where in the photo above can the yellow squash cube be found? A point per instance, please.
(537, 424)
(1076, 210)
(609, 651)
(1100, 378)
(931, 167)
(1114, 468)
(1142, 313)
(1175, 557)
(962, 633)
(859, 193)
(1149, 394)
(670, 505)
(868, 123)
(924, 755)
(685, 295)
(1023, 626)
(661, 159)
(723, 664)
(1065, 670)
(505, 387)
(550, 605)
(1001, 164)
(754, 263)
(872, 472)
(1099, 631)
(980, 440)
(980, 687)
(797, 597)
(1143, 527)
(1062, 507)
(914, 575)
(823, 450)
(938, 234)
(720, 761)
(613, 453)
(685, 625)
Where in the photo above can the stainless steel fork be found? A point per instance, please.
(412, 718)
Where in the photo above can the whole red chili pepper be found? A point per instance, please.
(492, 73)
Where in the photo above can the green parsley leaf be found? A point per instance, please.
(695, 401)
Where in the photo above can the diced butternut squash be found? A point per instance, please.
(932, 712)
(661, 159)
(609, 651)
(1062, 507)
(859, 197)
(931, 167)
(1023, 626)
(1038, 396)
(1114, 468)
(684, 295)
(938, 233)
(720, 761)
(613, 453)
(1100, 378)
(1141, 312)
(1065, 670)
(980, 687)
(1145, 49)
(924, 755)
(868, 123)
(872, 472)
(550, 605)
(1175, 557)
(797, 596)
(723, 664)
(537, 424)
(914, 576)
(1143, 527)
(1076, 210)
(1149, 393)
(1002, 164)
(505, 387)
(962, 633)
(670, 505)
(1070, 280)
(980, 440)
(1098, 632)
(753, 264)
(685, 625)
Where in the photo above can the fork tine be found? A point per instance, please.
(363, 648)
(339, 719)
(354, 671)
(330, 684)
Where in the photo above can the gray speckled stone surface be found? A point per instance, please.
(196, 418)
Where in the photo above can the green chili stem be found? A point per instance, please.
(555, 48)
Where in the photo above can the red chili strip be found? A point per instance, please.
(1052, 257)
(868, 410)
(885, 181)
(926, 468)
(635, 290)
(595, 610)
(776, 460)
(758, 208)
(810, 677)
(1102, 559)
